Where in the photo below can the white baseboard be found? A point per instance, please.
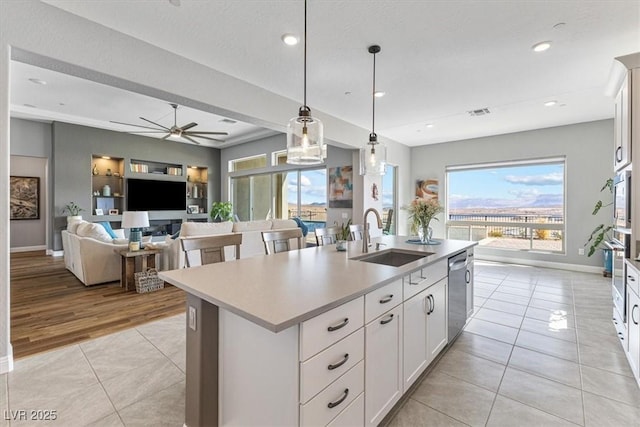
(6, 362)
(29, 248)
(539, 263)
(53, 253)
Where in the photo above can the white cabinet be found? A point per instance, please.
(437, 319)
(469, 280)
(383, 371)
(425, 330)
(622, 124)
(633, 313)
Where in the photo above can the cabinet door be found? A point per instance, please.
(383, 370)
(622, 126)
(437, 319)
(633, 310)
(415, 338)
(469, 280)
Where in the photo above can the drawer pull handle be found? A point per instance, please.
(386, 299)
(340, 326)
(385, 321)
(413, 283)
(633, 311)
(339, 401)
(631, 278)
(340, 363)
(619, 151)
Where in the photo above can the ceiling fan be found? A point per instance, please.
(175, 130)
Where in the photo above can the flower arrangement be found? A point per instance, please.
(421, 212)
(343, 230)
(72, 208)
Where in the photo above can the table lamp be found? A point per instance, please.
(135, 221)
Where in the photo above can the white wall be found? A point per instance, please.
(588, 148)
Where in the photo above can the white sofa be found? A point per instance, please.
(251, 246)
(90, 252)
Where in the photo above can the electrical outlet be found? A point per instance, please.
(192, 317)
(345, 215)
(580, 251)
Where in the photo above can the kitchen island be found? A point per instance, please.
(283, 339)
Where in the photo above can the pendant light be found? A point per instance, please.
(305, 145)
(373, 156)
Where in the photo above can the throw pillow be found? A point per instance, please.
(94, 231)
(302, 226)
(107, 227)
(73, 226)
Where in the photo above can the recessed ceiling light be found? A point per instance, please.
(176, 3)
(550, 103)
(429, 125)
(30, 105)
(379, 94)
(541, 47)
(559, 25)
(62, 104)
(38, 81)
(348, 92)
(290, 39)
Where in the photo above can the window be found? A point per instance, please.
(389, 200)
(247, 163)
(514, 205)
(279, 158)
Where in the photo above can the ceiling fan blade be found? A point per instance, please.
(166, 136)
(195, 132)
(188, 126)
(154, 123)
(131, 124)
(148, 131)
(185, 134)
(189, 139)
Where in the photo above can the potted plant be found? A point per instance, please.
(343, 235)
(601, 233)
(221, 211)
(74, 212)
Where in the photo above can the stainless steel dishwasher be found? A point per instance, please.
(457, 294)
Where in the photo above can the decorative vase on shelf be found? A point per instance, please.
(106, 190)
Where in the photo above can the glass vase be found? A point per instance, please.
(424, 231)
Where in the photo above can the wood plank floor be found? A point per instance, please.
(51, 308)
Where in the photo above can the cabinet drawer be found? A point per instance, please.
(316, 374)
(382, 300)
(420, 280)
(353, 415)
(327, 328)
(632, 277)
(323, 408)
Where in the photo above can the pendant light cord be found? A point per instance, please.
(373, 96)
(305, 54)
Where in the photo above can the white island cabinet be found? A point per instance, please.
(313, 337)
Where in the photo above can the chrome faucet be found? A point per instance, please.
(366, 238)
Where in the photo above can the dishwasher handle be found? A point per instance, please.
(457, 265)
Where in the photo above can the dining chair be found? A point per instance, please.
(280, 240)
(356, 231)
(327, 235)
(210, 248)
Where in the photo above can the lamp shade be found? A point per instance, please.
(305, 144)
(135, 219)
(373, 158)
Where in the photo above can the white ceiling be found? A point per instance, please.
(439, 59)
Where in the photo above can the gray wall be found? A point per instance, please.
(30, 148)
(74, 145)
(335, 157)
(588, 148)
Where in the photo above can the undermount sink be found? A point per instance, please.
(393, 257)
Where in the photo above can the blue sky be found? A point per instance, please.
(520, 186)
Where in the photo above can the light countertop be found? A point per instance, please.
(281, 290)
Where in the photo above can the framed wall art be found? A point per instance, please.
(24, 197)
(341, 187)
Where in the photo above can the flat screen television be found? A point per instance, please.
(156, 195)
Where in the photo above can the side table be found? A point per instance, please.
(147, 259)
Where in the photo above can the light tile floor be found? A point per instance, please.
(540, 351)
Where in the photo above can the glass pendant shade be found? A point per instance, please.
(305, 145)
(373, 157)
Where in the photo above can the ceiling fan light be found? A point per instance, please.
(305, 144)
